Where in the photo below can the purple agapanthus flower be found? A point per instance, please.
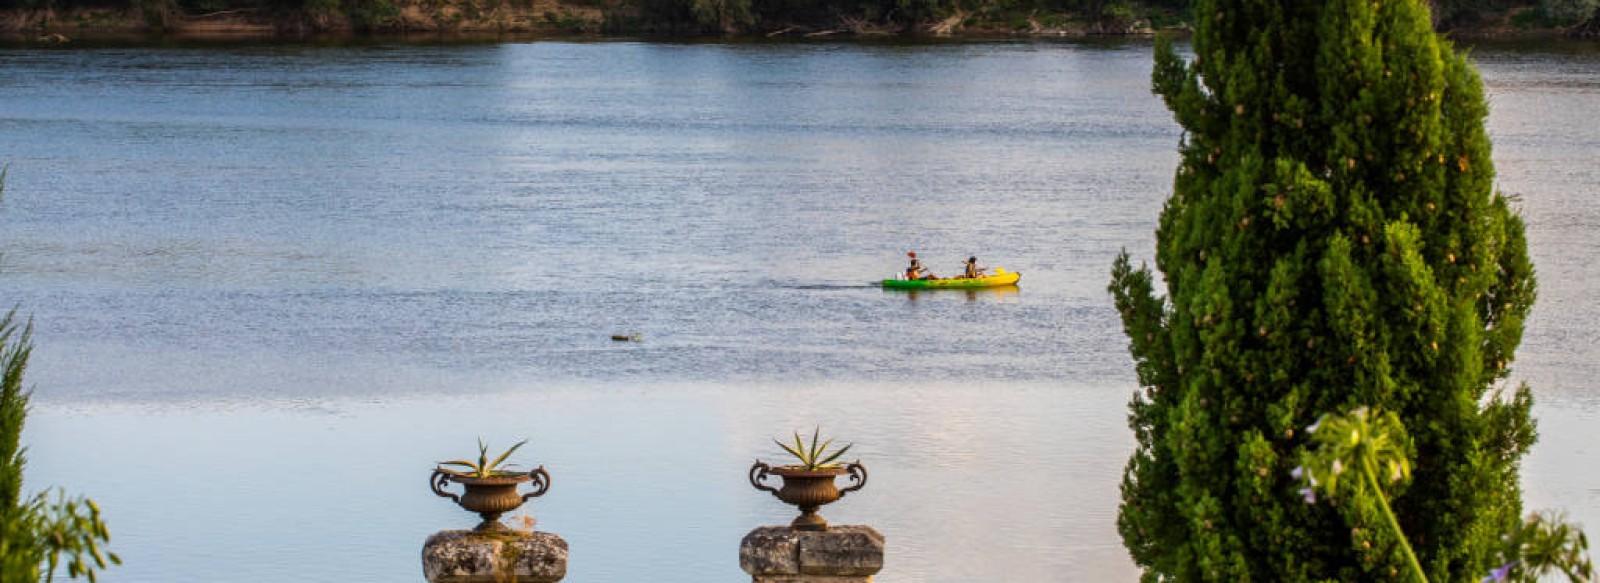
(1499, 575)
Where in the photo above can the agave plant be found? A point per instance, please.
(814, 457)
(484, 467)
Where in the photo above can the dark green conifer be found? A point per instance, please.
(1333, 240)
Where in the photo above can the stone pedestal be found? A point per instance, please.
(841, 554)
(465, 556)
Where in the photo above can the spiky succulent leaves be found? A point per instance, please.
(496, 465)
(828, 462)
(483, 458)
(798, 454)
(474, 468)
(484, 467)
(814, 456)
(470, 466)
(798, 450)
(810, 458)
(1332, 240)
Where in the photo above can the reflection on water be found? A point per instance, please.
(998, 292)
(967, 479)
(273, 284)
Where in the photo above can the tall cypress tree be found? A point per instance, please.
(1333, 240)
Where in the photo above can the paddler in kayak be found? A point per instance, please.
(972, 271)
(915, 271)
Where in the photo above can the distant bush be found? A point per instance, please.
(1567, 12)
(1529, 19)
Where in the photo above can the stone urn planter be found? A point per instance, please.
(492, 495)
(808, 489)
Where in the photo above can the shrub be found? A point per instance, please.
(1333, 241)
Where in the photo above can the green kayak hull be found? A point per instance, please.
(1000, 278)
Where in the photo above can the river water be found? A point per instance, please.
(273, 284)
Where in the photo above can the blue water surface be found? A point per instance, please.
(273, 284)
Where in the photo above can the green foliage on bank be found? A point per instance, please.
(888, 16)
(1519, 13)
(768, 16)
(1333, 241)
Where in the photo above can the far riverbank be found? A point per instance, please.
(469, 20)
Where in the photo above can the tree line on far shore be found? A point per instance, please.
(691, 17)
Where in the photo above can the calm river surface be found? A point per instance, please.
(274, 284)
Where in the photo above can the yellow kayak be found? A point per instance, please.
(1000, 277)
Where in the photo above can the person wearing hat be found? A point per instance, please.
(972, 269)
(915, 271)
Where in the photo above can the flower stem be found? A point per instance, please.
(1383, 501)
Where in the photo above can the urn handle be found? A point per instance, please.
(759, 472)
(541, 483)
(438, 481)
(858, 475)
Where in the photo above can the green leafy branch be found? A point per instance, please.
(38, 536)
(1356, 454)
(71, 529)
(1544, 543)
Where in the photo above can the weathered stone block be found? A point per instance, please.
(464, 556)
(770, 550)
(841, 554)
